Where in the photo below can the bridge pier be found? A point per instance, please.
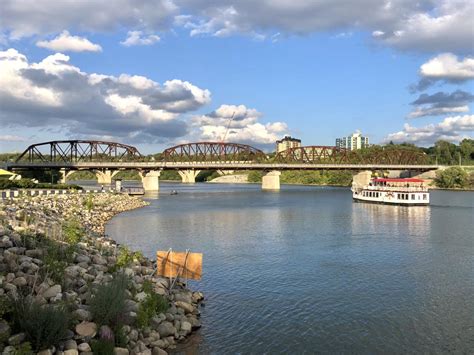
(361, 179)
(271, 180)
(150, 180)
(64, 173)
(104, 177)
(188, 176)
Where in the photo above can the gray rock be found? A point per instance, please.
(84, 347)
(70, 344)
(4, 331)
(45, 352)
(121, 351)
(82, 314)
(83, 259)
(86, 329)
(99, 260)
(9, 350)
(139, 297)
(17, 339)
(186, 326)
(158, 351)
(183, 297)
(188, 308)
(133, 335)
(71, 352)
(52, 291)
(166, 329)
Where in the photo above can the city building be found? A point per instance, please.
(286, 143)
(353, 142)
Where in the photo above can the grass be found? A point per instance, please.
(44, 326)
(108, 303)
(152, 305)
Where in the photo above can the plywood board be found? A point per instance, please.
(171, 264)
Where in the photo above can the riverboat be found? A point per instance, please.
(407, 192)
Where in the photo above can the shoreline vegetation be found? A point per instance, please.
(65, 286)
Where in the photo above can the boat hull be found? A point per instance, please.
(393, 203)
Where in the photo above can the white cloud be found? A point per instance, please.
(32, 17)
(447, 66)
(434, 25)
(241, 125)
(452, 129)
(64, 42)
(12, 138)
(137, 38)
(429, 25)
(53, 92)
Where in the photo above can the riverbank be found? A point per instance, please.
(65, 288)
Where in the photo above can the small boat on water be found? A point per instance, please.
(173, 192)
(407, 192)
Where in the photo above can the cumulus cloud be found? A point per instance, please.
(64, 42)
(452, 129)
(55, 93)
(434, 25)
(241, 125)
(138, 38)
(441, 103)
(428, 25)
(31, 17)
(445, 67)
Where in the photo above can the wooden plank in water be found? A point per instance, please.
(171, 264)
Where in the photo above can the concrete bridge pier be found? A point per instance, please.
(104, 177)
(271, 180)
(150, 180)
(188, 176)
(361, 179)
(64, 173)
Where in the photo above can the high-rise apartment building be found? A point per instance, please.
(353, 142)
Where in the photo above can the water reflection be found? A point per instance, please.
(369, 218)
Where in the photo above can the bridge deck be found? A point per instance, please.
(212, 166)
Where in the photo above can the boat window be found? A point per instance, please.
(412, 196)
(424, 196)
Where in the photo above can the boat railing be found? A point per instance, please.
(398, 188)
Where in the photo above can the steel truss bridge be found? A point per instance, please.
(90, 155)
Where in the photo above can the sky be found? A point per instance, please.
(157, 73)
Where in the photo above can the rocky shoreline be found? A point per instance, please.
(67, 289)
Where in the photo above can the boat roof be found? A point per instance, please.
(398, 180)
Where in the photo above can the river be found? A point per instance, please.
(306, 270)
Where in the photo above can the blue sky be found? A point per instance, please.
(313, 70)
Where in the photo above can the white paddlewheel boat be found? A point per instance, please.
(407, 192)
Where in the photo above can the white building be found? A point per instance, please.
(287, 143)
(353, 142)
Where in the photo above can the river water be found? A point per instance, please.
(306, 270)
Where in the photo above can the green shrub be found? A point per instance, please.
(152, 305)
(102, 347)
(108, 303)
(44, 326)
(56, 258)
(454, 177)
(89, 203)
(23, 349)
(255, 176)
(73, 231)
(126, 257)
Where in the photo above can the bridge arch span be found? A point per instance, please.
(72, 151)
(213, 151)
